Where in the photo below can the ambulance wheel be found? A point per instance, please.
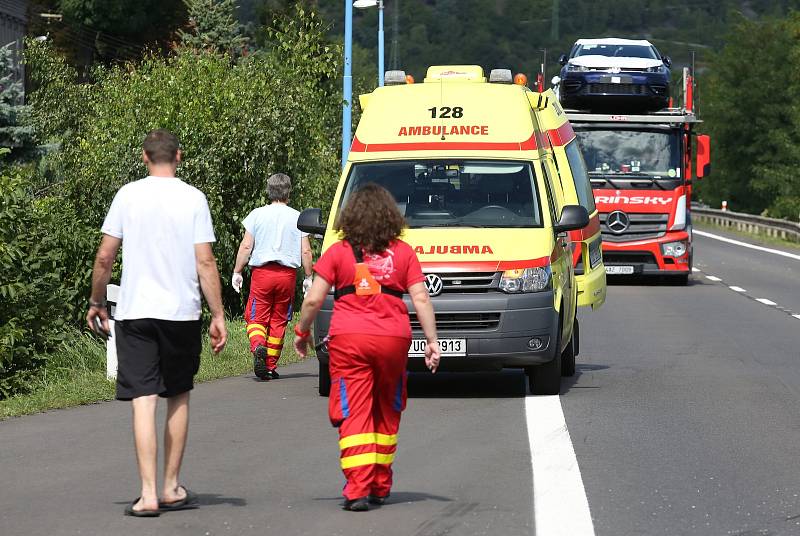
(545, 379)
(324, 379)
(568, 355)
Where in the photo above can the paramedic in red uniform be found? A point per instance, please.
(370, 334)
(274, 249)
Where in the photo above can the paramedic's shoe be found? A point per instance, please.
(356, 505)
(273, 374)
(377, 499)
(260, 363)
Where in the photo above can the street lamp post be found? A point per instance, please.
(365, 4)
(347, 83)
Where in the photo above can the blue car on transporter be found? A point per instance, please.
(614, 73)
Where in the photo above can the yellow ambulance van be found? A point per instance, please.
(500, 213)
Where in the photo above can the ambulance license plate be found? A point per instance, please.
(619, 270)
(449, 347)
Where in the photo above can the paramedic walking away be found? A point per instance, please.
(164, 228)
(370, 334)
(274, 249)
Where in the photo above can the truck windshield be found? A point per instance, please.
(655, 154)
(455, 193)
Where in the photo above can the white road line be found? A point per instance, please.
(746, 245)
(766, 301)
(560, 506)
(713, 278)
(737, 289)
(796, 316)
(695, 269)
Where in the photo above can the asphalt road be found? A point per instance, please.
(684, 417)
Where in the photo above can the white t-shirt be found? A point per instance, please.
(277, 238)
(159, 220)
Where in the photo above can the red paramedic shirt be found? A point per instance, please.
(381, 314)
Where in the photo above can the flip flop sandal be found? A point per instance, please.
(189, 502)
(129, 511)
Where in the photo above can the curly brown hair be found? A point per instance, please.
(370, 218)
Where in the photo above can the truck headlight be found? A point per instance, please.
(576, 68)
(526, 280)
(674, 249)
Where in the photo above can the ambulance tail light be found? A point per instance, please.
(525, 280)
(394, 78)
(500, 76)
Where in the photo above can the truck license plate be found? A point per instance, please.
(619, 270)
(451, 347)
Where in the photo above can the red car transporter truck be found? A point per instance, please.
(640, 166)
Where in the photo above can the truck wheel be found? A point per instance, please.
(568, 355)
(324, 379)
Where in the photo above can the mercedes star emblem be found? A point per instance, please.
(618, 222)
(433, 283)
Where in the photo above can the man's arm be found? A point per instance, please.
(101, 275)
(243, 255)
(209, 283)
(307, 255)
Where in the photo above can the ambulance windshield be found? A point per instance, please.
(652, 153)
(455, 193)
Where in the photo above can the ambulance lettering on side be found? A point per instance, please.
(492, 213)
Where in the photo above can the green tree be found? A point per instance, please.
(238, 122)
(750, 110)
(14, 133)
(213, 27)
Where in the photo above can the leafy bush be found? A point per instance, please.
(39, 293)
(238, 121)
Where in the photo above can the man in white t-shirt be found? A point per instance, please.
(164, 228)
(274, 248)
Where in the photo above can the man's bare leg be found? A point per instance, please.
(146, 441)
(175, 432)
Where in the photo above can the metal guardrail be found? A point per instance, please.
(748, 223)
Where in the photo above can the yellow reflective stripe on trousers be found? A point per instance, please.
(368, 458)
(274, 340)
(256, 332)
(367, 439)
(273, 352)
(259, 326)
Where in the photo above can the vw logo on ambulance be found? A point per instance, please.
(433, 284)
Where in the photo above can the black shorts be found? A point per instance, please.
(156, 357)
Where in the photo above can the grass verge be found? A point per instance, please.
(76, 374)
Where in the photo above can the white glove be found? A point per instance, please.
(236, 281)
(306, 284)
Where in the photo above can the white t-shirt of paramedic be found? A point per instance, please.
(159, 220)
(277, 238)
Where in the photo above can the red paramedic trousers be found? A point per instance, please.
(368, 393)
(269, 308)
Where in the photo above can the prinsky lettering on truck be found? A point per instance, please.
(456, 250)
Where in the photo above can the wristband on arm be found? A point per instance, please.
(301, 334)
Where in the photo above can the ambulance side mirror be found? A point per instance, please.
(703, 168)
(310, 221)
(573, 217)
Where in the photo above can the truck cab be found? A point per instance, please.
(641, 171)
(492, 214)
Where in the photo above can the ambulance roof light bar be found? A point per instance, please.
(500, 76)
(394, 78)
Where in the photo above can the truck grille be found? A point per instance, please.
(461, 321)
(642, 227)
(469, 282)
(617, 89)
(628, 257)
